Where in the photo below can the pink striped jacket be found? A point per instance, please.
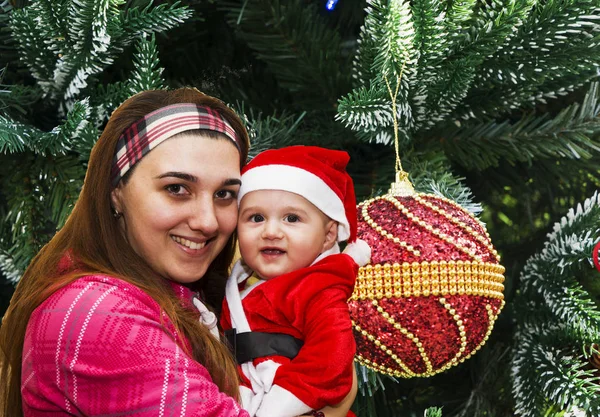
(102, 347)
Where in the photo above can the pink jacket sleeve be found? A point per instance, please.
(100, 346)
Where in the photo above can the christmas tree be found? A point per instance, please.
(555, 362)
(496, 109)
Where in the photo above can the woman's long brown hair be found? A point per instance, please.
(92, 236)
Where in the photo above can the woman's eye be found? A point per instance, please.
(257, 218)
(177, 189)
(226, 194)
(292, 218)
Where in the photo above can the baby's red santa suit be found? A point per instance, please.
(307, 306)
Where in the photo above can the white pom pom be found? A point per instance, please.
(360, 251)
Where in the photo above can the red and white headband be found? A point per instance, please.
(156, 127)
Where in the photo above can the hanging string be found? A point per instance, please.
(402, 186)
(393, 96)
(400, 173)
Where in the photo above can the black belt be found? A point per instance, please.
(251, 345)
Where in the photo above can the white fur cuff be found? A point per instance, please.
(279, 402)
(360, 251)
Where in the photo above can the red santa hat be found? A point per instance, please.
(317, 174)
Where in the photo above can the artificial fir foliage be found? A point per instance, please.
(65, 46)
(559, 321)
(497, 109)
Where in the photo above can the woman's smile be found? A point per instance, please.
(189, 244)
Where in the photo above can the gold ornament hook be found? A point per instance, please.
(402, 187)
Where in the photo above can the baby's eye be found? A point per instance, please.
(226, 194)
(257, 218)
(292, 218)
(176, 189)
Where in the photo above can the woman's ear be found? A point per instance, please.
(116, 199)
(331, 234)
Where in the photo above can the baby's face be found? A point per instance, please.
(280, 232)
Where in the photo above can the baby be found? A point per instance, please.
(285, 312)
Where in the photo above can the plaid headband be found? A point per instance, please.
(156, 127)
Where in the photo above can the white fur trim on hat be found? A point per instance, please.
(301, 182)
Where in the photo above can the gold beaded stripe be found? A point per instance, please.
(484, 240)
(367, 218)
(443, 236)
(462, 334)
(471, 215)
(492, 320)
(378, 367)
(458, 358)
(406, 333)
(435, 278)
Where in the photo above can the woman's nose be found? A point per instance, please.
(203, 217)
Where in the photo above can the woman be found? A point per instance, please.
(103, 321)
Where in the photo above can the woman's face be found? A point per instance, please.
(180, 204)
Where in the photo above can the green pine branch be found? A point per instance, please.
(85, 142)
(147, 74)
(552, 53)
(572, 134)
(492, 26)
(17, 98)
(107, 97)
(569, 305)
(63, 55)
(554, 272)
(445, 184)
(60, 139)
(40, 193)
(395, 37)
(135, 23)
(559, 376)
(386, 43)
(67, 175)
(28, 26)
(16, 136)
(431, 39)
(272, 131)
(447, 91)
(384, 65)
(433, 412)
(579, 219)
(499, 57)
(300, 50)
(8, 50)
(7, 267)
(566, 30)
(458, 17)
(550, 371)
(365, 109)
(65, 46)
(89, 47)
(530, 400)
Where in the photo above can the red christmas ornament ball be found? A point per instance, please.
(433, 290)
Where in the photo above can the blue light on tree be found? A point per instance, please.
(331, 4)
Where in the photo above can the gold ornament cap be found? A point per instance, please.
(402, 187)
